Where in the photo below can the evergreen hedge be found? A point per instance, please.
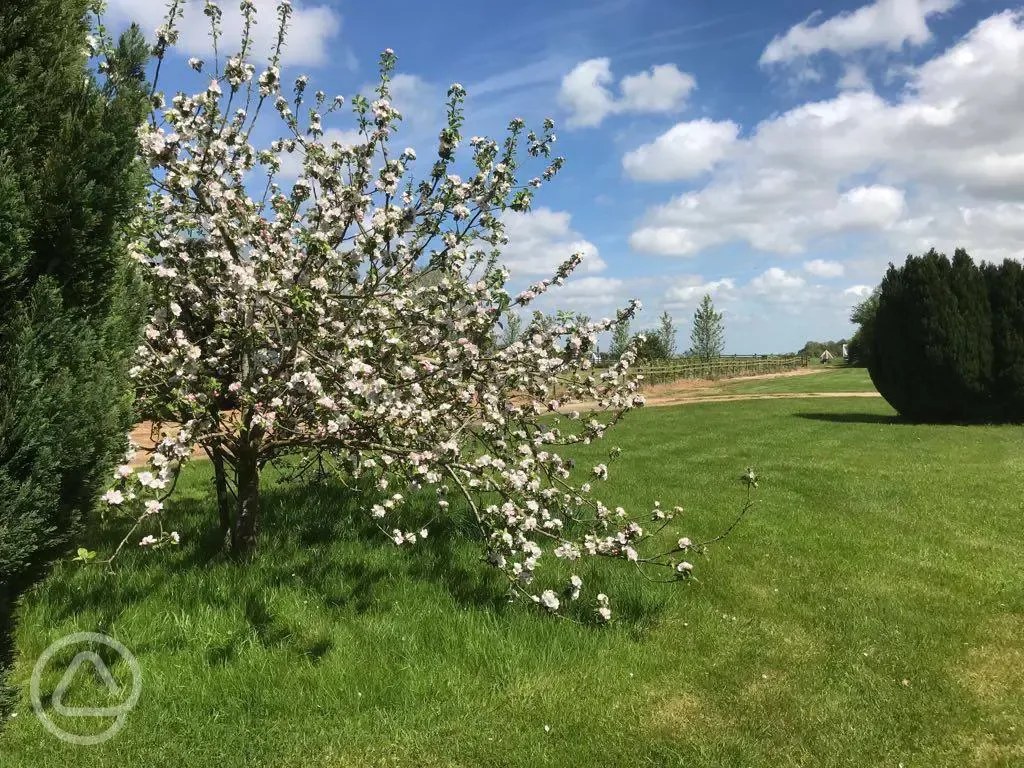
(946, 341)
(70, 301)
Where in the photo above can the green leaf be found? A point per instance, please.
(84, 556)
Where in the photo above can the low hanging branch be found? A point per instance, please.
(350, 317)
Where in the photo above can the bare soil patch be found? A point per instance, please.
(682, 392)
(702, 385)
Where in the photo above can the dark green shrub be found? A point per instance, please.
(70, 303)
(1005, 284)
(931, 351)
(653, 348)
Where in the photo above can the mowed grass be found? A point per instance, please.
(869, 611)
(839, 378)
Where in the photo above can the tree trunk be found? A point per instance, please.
(247, 517)
(223, 497)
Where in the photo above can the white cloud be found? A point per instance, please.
(541, 240)
(855, 78)
(686, 292)
(663, 89)
(684, 151)
(311, 28)
(990, 231)
(773, 300)
(770, 210)
(940, 163)
(858, 292)
(775, 282)
(419, 102)
(589, 292)
(586, 92)
(823, 268)
(873, 207)
(888, 24)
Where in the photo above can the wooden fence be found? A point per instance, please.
(724, 367)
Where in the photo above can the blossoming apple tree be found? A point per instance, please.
(348, 316)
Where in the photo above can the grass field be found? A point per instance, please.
(824, 379)
(868, 612)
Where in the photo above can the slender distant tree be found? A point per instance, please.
(707, 339)
(512, 331)
(565, 317)
(667, 334)
(620, 339)
(70, 300)
(863, 314)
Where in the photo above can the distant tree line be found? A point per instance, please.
(707, 337)
(815, 348)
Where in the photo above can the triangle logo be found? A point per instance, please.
(69, 675)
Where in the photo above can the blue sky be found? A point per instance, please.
(776, 155)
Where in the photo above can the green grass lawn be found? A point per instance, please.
(868, 612)
(839, 378)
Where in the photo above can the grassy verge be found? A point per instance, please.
(825, 379)
(869, 612)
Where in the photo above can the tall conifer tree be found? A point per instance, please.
(70, 302)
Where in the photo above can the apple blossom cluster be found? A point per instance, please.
(348, 314)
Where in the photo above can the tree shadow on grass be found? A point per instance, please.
(852, 418)
(316, 538)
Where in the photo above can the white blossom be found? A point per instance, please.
(549, 600)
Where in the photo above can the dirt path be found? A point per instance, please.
(683, 392)
(701, 385)
(691, 399)
(689, 391)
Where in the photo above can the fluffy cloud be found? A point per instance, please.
(663, 89)
(775, 279)
(945, 172)
(858, 292)
(765, 299)
(873, 207)
(418, 102)
(590, 292)
(586, 92)
(776, 310)
(684, 151)
(822, 268)
(855, 78)
(311, 28)
(889, 24)
(686, 292)
(775, 213)
(542, 239)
